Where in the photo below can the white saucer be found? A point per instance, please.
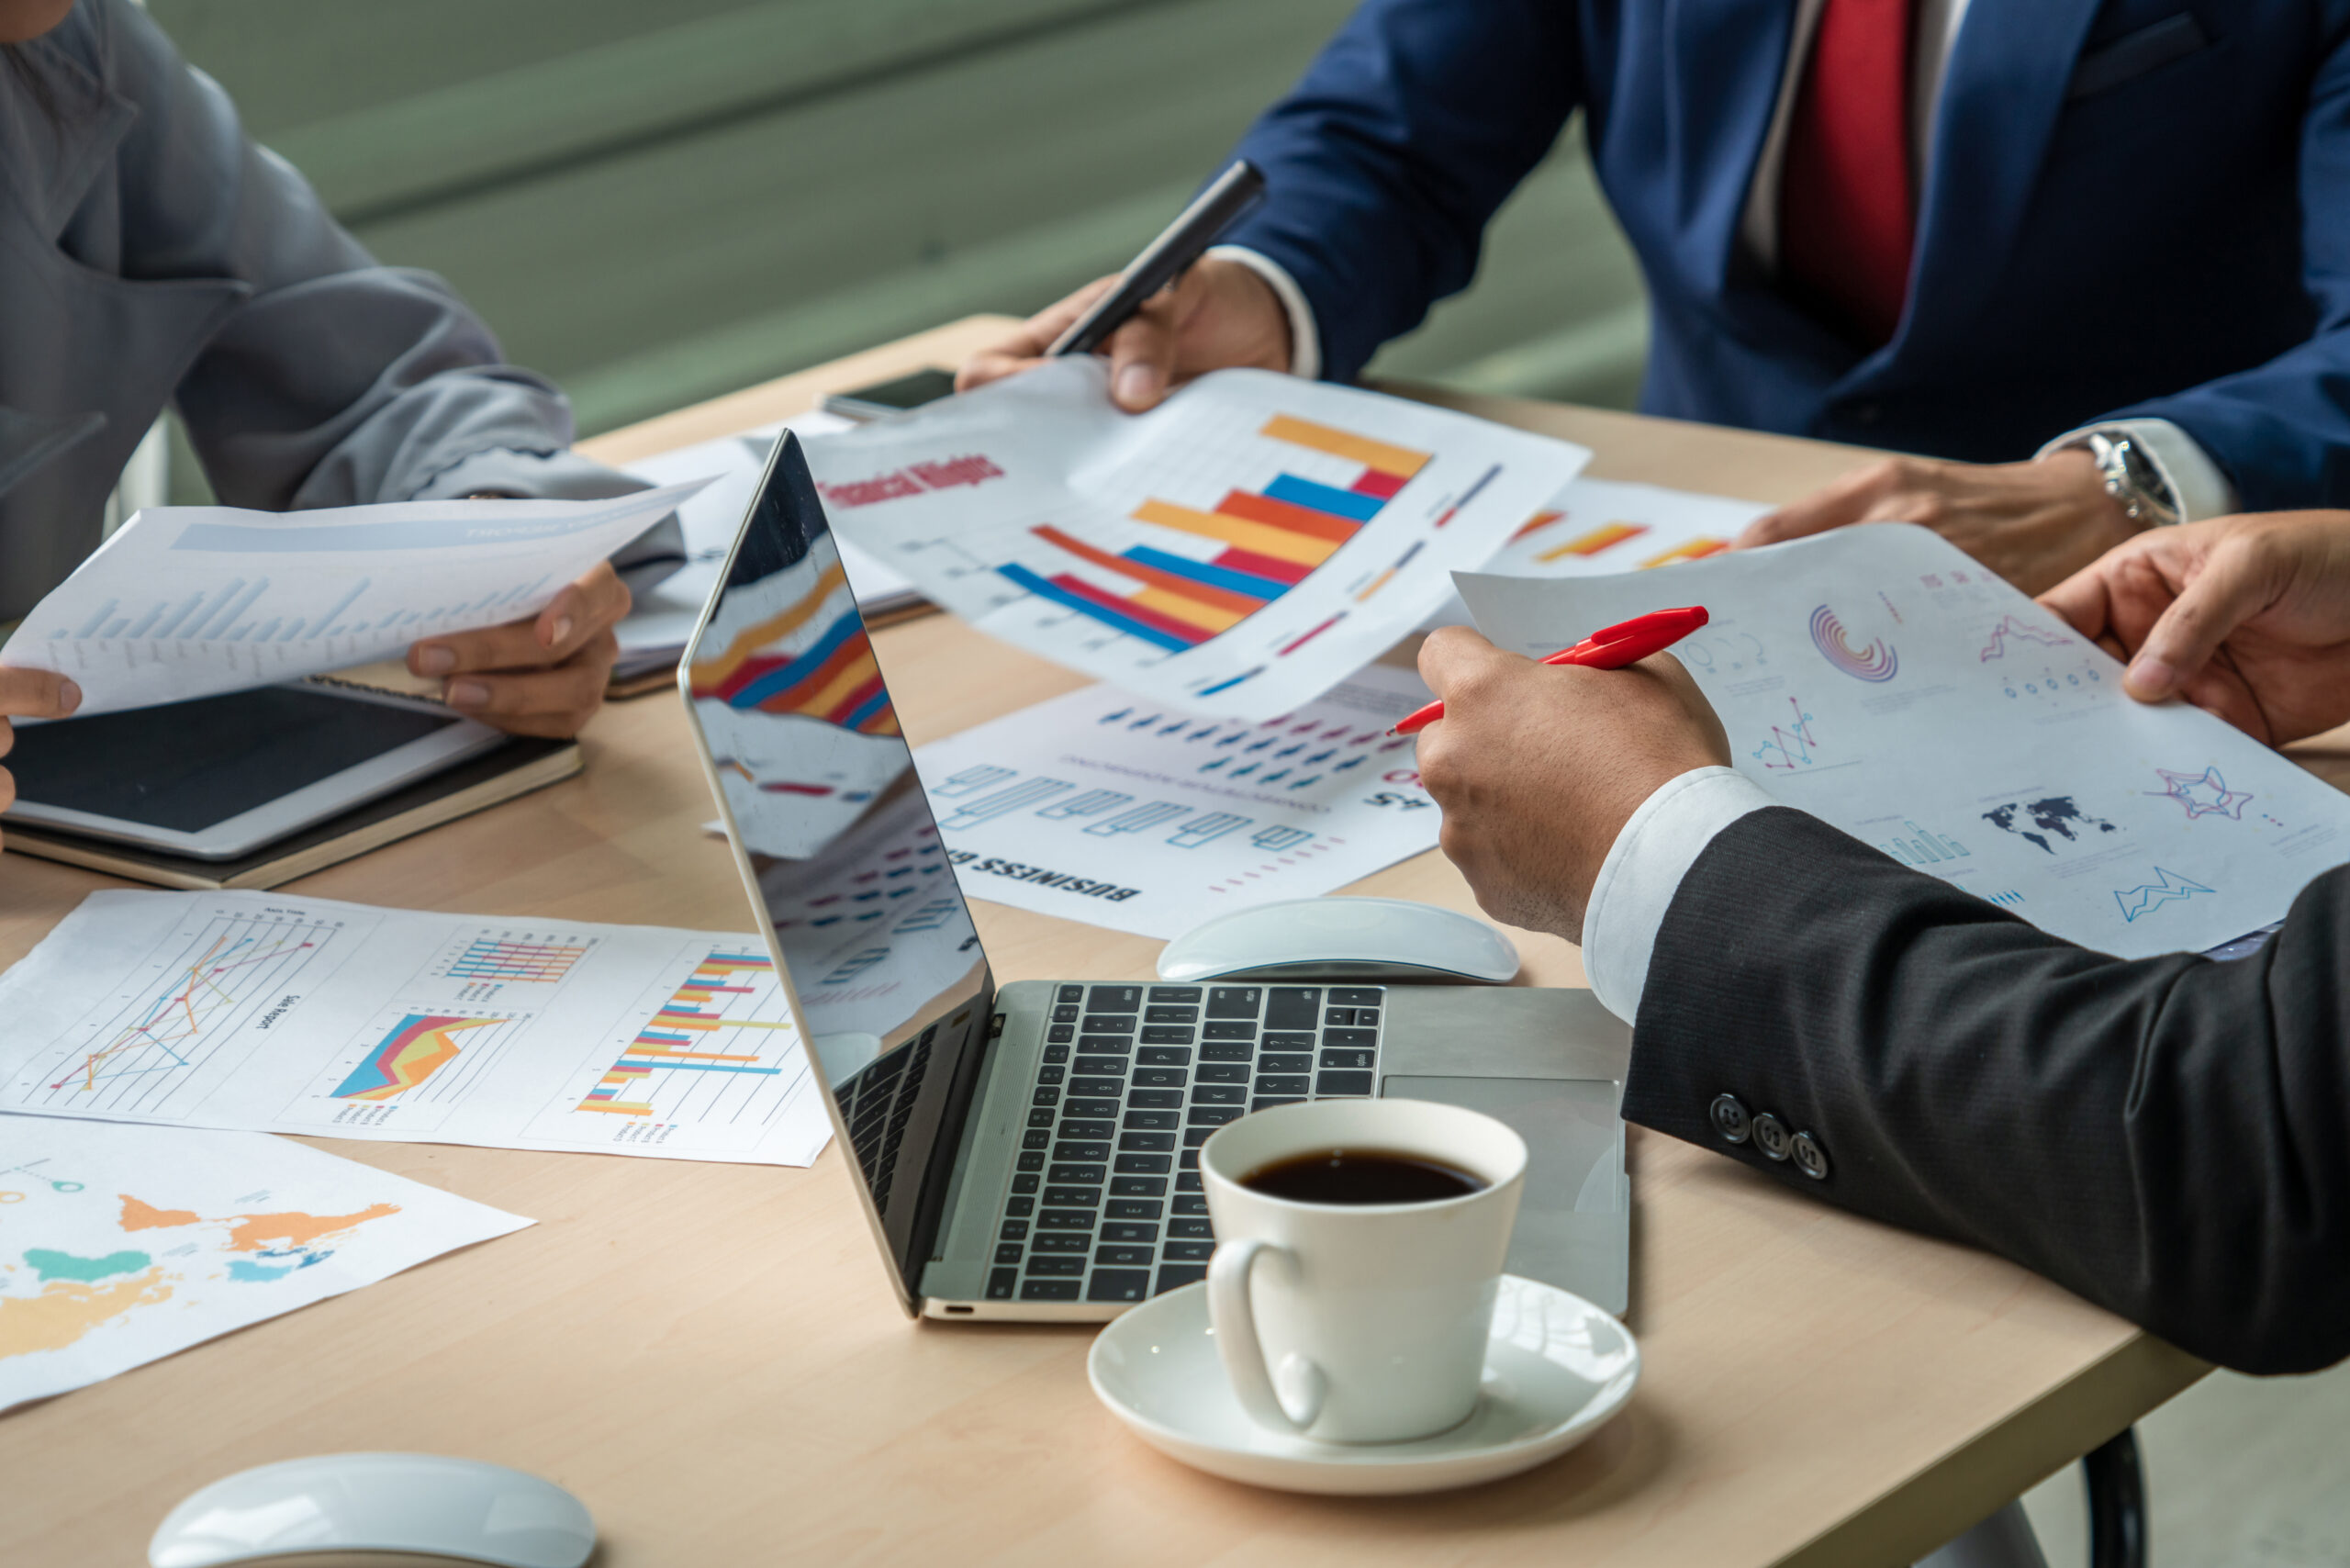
(1556, 1369)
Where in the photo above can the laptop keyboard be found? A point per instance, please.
(1105, 1203)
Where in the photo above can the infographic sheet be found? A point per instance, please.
(278, 1014)
(189, 601)
(1235, 553)
(119, 1246)
(1599, 527)
(1881, 679)
(1104, 807)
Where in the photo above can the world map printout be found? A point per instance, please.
(120, 1245)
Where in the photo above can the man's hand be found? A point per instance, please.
(31, 694)
(2248, 617)
(1217, 316)
(543, 676)
(1539, 766)
(2033, 523)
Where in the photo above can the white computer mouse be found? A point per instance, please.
(1341, 939)
(419, 1503)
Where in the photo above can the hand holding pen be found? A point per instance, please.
(1610, 647)
(1174, 313)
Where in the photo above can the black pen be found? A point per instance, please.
(1166, 258)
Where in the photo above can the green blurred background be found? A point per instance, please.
(656, 203)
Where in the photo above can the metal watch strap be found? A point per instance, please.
(2132, 479)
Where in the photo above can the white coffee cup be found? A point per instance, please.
(1358, 1323)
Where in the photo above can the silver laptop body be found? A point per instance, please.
(1031, 1150)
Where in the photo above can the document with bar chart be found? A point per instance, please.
(1236, 551)
(1108, 808)
(271, 1013)
(189, 601)
(1599, 527)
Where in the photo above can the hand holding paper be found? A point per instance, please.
(2244, 617)
(188, 601)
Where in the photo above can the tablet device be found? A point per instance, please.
(220, 777)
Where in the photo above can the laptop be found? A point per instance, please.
(1030, 1149)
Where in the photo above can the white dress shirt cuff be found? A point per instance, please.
(1305, 336)
(2198, 488)
(1643, 870)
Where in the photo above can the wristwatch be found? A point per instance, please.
(2132, 478)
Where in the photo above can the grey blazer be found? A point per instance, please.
(150, 253)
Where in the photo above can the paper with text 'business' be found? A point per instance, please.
(191, 601)
(274, 1012)
(1881, 679)
(119, 1246)
(1111, 808)
(1236, 553)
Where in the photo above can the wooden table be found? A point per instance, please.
(710, 1357)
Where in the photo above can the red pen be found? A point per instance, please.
(1610, 647)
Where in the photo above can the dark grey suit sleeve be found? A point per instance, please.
(337, 381)
(2169, 1137)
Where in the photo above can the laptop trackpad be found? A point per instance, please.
(1573, 1222)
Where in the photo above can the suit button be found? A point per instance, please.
(1770, 1136)
(1730, 1118)
(1810, 1158)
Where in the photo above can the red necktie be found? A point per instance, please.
(1847, 215)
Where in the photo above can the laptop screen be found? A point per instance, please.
(887, 981)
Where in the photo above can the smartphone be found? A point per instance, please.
(885, 398)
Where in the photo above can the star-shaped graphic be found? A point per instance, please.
(2204, 794)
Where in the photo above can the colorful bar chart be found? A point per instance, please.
(1598, 541)
(833, 678)
(416, 1047)
(679, 1035)
(513, 958)
(1693, 550)
(1266, 541)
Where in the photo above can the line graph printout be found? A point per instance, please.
(1237, 551)
(120, 1245)
(187, 601)
(259, 1011)
(1104, 807)
(1596, 528)
(1879, 678)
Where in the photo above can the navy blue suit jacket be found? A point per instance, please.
(2135, 208)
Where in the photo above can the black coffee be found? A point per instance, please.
(1363, 1176)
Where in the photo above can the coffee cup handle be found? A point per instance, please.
(1289, 1402)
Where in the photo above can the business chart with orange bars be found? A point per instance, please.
(800, 725)
(1236, 551)
(1598, 527)
(706, 1057)
(270, 1012)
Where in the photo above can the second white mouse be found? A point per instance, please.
(377, 1501)
(1341, 939)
